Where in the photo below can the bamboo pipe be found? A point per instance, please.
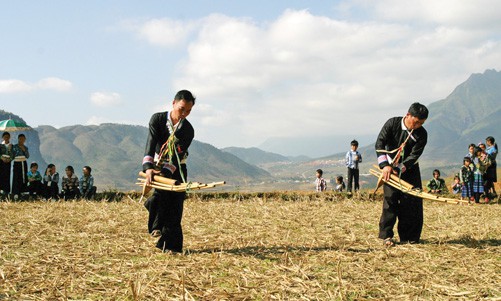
(419, 194)
(161, 179)
(143, 181)
(396, 178)
(179, 188)
(401, 183)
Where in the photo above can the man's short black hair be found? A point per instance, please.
(354, 142)
(321, 172)
(185, 95)
(418, 110)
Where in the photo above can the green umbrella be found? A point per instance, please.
(11, 125)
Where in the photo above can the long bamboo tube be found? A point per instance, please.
(396, 178)
(161, 179)
(403, 186)
(181, 187)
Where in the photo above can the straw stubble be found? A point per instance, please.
(276, 246)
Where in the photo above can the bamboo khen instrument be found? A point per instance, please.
(161, 179)
(407, 188)
(167, 184)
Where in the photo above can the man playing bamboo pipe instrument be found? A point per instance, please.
(399, 145)
(169, 137)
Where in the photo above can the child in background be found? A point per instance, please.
(437, 184)
(340, 186)
(34, 180)
(51, 182)
(70, 184)
(482, 162)
(87, 188)
(466, 179)
(456, 185)
(352, 158)
(320, 183)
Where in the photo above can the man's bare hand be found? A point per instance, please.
(387, 171)
(150, 173)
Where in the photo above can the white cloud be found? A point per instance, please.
(105, 99)
(162, 32)
(14, 86)
(480, 14)
(54, 83)
(304, 74)
(97, 120)
(49, 83)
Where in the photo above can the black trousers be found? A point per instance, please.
(353, 174)
(165, 213)
(406, 208)
(19, 177)
(35, 188)
(5, 176)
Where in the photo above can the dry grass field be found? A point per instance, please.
(268, 246)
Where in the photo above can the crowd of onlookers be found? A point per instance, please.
(476, 177)
(31, 183)
(474, 181)
(352, 160)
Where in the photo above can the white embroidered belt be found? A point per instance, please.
(20, 159)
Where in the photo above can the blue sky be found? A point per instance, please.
(259, 69)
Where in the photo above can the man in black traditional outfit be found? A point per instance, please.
(170, 135)
(407, 134)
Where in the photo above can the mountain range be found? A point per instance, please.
(468, 115)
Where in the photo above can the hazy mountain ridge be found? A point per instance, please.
(115, 152)
(468, 115)
(255, 156)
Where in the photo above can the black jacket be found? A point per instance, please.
(392, 136)
(158, 135)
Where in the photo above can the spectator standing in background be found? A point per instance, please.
(352, 158)
(491, 172)
(19, 175)
(320, 183)
(466, 178)
(481, 161)
(5, 164)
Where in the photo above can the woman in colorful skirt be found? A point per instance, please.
(482, 162)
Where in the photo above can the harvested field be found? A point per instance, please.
(269, 246)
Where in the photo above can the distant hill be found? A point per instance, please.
(254, 155)
(211, 163)
(313, 147)
(115, 152)
(468, 115)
